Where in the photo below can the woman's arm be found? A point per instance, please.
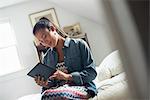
(88, 73)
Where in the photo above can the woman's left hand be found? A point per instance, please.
(59, 75)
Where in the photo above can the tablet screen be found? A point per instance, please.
(42, 70)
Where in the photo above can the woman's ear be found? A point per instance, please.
(52, 28)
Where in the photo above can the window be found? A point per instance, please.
(9, 60)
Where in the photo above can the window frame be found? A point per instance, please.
(7, 20)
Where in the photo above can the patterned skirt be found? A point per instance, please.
(66, 92)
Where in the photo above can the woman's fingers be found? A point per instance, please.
(59, 75)
(35, 78)
(46, 83)
(40, 81)
(52, 77)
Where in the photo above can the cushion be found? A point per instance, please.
(102, 74)
(118, 91)
(112, 81)
(110, 66)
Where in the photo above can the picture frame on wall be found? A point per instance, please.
(73, 30)
(48, 13)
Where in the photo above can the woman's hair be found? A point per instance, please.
(46, 23)
(44, 18)
(41, 24)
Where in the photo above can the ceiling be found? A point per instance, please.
(6, 3)
(92, 9)
(86, 8)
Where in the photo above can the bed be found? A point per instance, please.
(31, 97)
(111, 80)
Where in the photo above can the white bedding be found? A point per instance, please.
(31, 97)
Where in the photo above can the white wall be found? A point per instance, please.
(18, 84)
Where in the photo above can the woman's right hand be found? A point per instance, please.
(40, 81)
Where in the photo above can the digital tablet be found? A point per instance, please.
(42, 70)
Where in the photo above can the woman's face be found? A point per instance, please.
(47, 38)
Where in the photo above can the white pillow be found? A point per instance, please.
(109, 67)
(112, 81)
(103, 73)
(118, 91)
(114, 63)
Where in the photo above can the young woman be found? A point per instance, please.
(74, 63)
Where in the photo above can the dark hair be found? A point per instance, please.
(46, 23)
(44, 18)
(41, 24)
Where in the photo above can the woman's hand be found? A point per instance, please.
(59, 75)
(40, 81)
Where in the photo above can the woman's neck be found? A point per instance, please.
(60, 43)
